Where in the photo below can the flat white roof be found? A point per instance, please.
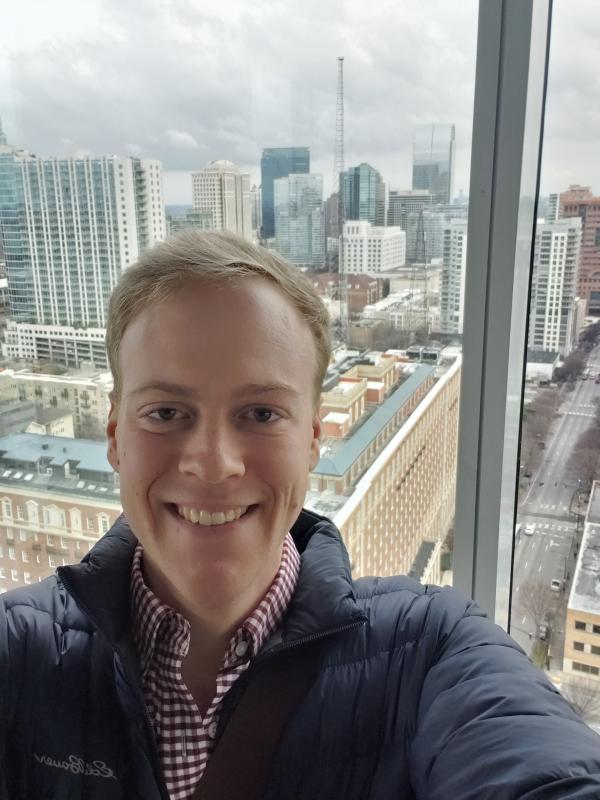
(336, 417)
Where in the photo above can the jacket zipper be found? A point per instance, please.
(243, 681)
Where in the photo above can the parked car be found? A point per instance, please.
(529, 530)
(543, 632)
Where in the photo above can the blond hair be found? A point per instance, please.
(213, 258)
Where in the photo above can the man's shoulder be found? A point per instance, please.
(402, 607)
(46, 602)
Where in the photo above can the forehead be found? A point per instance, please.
(244, 330)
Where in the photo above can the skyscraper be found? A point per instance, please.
(402, 203)
(364, 194)
(299, 221)
(70, 227)
(452, 293)
(278, 162)
(223, 191)
(579, 201)
(555, 262)
(433, 161)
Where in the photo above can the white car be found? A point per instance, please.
(529, 530)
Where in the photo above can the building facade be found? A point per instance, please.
(398, 505)
(222, 191)
(401, 203)
(57, 498)
(278, 162)
(86, 398)
(582, 627)
(370, 249)
(433, 161)
(190, 218)
(579, 201)
(454, 268)
(299, 220)
(364, 195)
(69, 228)
(555, 264)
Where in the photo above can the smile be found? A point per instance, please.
(201, 517)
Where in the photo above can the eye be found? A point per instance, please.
(164, 414)
(263, 414)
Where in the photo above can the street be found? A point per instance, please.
(546, 508)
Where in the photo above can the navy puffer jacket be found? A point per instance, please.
(418, 695)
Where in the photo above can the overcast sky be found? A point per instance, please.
(188, 81)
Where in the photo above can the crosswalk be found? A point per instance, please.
(580, 414)
(548, 507)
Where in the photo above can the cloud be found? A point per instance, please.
(181, 139)
(198, 80)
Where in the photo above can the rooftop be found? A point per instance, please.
(342, 455)
(27, 458)
(541, 357)
(585, 592)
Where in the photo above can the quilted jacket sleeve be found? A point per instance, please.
(489, 723)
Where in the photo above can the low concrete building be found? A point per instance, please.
(582, 627)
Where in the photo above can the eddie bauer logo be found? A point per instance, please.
(78, 766)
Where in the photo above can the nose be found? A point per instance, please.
(212, 453)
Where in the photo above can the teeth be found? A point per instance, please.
(202, 517)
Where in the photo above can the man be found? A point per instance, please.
(122, 676)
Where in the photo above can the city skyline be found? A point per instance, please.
(71, 83)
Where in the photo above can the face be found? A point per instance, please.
(214, 434)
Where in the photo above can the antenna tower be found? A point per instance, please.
(338, 180)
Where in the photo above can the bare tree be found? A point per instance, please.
(572, 367)
(583, 695)
(584, 463)
(537, 598)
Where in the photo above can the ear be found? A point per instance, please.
(111, 433)
(317, 436)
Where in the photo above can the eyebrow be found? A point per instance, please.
(185, 391)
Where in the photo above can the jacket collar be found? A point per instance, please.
(324, 599)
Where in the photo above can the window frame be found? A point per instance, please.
(510, 89)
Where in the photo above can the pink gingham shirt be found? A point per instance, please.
(162, 637)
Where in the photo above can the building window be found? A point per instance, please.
(7, 508)
(27, 577)
(11, 553)
(596, 628)
(2, 572)
(579, 626)
(103, 523)
(24, 556)
(14, 575)
(578, 667)
(578, 646)
(595, 650)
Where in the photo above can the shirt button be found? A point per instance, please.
(212, 730)
(241, 648)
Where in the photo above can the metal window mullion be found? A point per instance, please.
(505, 123)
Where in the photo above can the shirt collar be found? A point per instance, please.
(150, 614)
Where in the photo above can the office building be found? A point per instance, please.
(58, 496)
(401, 203)
(582, 626)
(364, 194)
(189, 218)
(256, 210)
(70, 227)
(278, 162)
(454, 268)
(85, 396)
(425, 232)
(370, 249)
(299, 221)
(387, 473)
(579, 201)
(433, 161)
(221, 190)
(555, 264)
